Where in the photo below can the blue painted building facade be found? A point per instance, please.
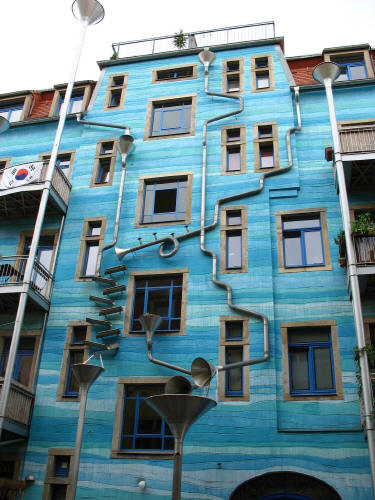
(288, 426)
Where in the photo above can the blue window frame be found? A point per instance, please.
(63, 161)
(24, 359)
(351, 68)
(311, 368)
(142, 427)
(76, 354)
(12, 113)
(234, 249)
(104, 167)
(75, 103)
(171, 118)
(165, 201)
(233, 158)
(234, 377)
(158, 295)
(302, 241)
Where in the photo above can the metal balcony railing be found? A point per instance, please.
(59, 181)
(20, 404)
(12, 270)
(358, 139)
(220, 36)
(364, 250)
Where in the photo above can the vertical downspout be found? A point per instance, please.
(354, 282)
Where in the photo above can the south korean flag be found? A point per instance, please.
(21, 174)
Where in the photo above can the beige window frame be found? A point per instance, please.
(170, 99)
(228, 73)
(226, 144)
(108, 157)
(4, 163)
(268, 141)
(36, 334)
(71, 152)
(147, 179)
(113, 88)
(60, 90)
(155, 71)
(330, 56)
(133, 275)
(50, 480)
(285, 326)
(82, 249)
(255, 72)
(323, 221)
(26, 100)
(118, 420)
(224, 229)
(244, 343)
(69, 347)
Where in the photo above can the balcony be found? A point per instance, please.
(12, 270)
(18, 412)
(358, 140)
(24, 200)
(208, 38)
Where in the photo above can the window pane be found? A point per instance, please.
(181, 201)
(103, 171)
(261, 62)
(323, 368)
(233, 134)
(300, 369)
(79, 334)
(234, 218)
(186, 121)
(149, 421)
(234, 159)
(139, 302)
(130, 408)
(165, 200)
(309, 334)
(24, 367)
(76, 105)
(265, 131)
(172, 118)
(117, 81)
(75, 357)
(233, 83)
(263, 80)
(15, 115)
(234, 250)
(266, 156)
(92, 252)
(58, 491)
(343, 75)
(358, 72)
(61, 466)
(301, 222)
(176, 303)
(158, 302)
(233, 65)
(292, 250)
(234, 377)
(233, 330)
(313, 248)
(107, 148)
(94, 228)
(156, 122)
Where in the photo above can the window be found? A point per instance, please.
(185, 72)
(91, 243)
(116, 91)
(158, 292)
(266, 146)
(77, 103)
(233, 240)
(58, 474)
(351, 68)
(234, 347)
(170, 116)
(233, 150)
(303, 240)
(12, 113)
(138, 428)
(9, 470)
(233, 75)
(15, 109)
(4, 163)
(64, 161)
(75, 352)
(311, 353)
(164, 200)
(262, 73)
(104, 163)
(24, 367)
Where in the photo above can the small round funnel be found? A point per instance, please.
(88, 10)
(150, 322)
(86, 374)
(202, 372)
(4, 124)
(326, 70)
(125, 145)
(178, 385)
(206, 57)
(180, 411)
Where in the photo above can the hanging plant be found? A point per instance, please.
(364, 225)
(179, 40)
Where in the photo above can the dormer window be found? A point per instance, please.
(78, 100)
(351, 68)
(15, 107)
(12, 112)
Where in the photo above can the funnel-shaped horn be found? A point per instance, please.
(206, 57)
(326, 70)
(178, 385)
(86, 374)
(125, 145)
(88, 10)
(120, 252)
(150, 322)
(180, 410)
(202, 372)
(4, 124)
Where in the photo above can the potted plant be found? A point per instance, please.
(179, 40)
(340, 241)
(363, 225)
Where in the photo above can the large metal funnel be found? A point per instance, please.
(4, 124)
(150, 322)
(326, 70)
(206, 57)
(88, 10)
(125, 145)
(180, 411)
(202, 372)
(86, 374)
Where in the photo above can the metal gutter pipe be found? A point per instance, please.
(326, 73)
(80, 117)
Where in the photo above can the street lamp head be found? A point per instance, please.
(326, 70)
(88, 10)
(4, 124)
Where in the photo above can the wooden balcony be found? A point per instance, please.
(357, 139)
(18, 412)
(12, 270)
(24, 200)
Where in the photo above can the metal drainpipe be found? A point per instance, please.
(4, 396)
(353, 277)
(79, 117)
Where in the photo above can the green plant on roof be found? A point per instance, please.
(179, 40)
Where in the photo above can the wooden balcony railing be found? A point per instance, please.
(358, 139)
(20, 404)
(364, 250)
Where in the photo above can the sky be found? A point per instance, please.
(39, 37)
